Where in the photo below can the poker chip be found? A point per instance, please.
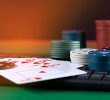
(106, 48)
(102, 33)
(80, 56)
(60, 49)
(75, 35)
(99, 60)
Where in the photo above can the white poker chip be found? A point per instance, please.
(83, 51)
(74, 60)
(80, 56)
(79, 59)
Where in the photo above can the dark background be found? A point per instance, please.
(45, 19)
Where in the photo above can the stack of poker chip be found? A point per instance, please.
(75, 35)
(99, 60)
(102, 33)
(60, 49)
(80, 56)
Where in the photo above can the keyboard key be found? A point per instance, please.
(107, 78)
(96, 76)
(83, 77)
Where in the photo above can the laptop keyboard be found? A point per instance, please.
(93, 75)
(91, 80)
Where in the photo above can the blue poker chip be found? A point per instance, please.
(99, 60)
(75, 35)
(102, 53)
(72, 35)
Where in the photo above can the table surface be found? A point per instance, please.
(30, 93)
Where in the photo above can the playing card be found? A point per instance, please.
(36, 63)
(21, 63)
(30, 70)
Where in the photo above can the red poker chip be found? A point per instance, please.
(102, 33)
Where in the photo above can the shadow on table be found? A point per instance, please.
(58, 85)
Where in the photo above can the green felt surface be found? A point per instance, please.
(23, 93)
